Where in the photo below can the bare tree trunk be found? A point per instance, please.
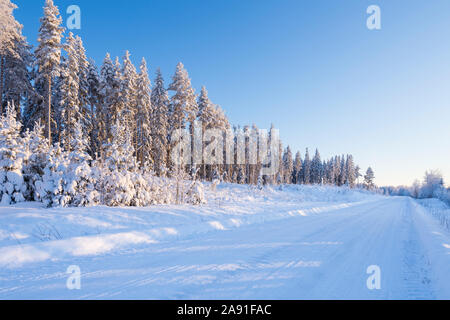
(49, 109)
(2, 75)
(68, 136)
(17, 105)
(179, 168)
(93, 130)
(137, 142)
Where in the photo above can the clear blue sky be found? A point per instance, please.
(310, 67)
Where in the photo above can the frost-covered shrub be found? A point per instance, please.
(12, 185)
(143, 195)
(214, 184)
(119, 175)
(65, 183)
(81, 185)
(117, 188)
(433, 185)
(51, 188)
(32, 170)
(195, 193)
(69, 179)
(163, 189)
(81, 178)
(35, 160)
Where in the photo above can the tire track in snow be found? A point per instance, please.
(416, 265)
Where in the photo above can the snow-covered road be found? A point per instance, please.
(321, 256)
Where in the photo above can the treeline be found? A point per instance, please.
(431, 186)
(113, 118)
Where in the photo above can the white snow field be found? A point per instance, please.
(295, 243)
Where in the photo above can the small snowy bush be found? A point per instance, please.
(195, 194)
(12, 185)
(36, 159)
(69, 179)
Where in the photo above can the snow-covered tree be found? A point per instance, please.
(69, 93)
(288, 166)
(297, 168)
(183, 103)
(104, 109)
(120, 165)
(316, 169)
(159, 124)
(10, 31)
(205, 110)
(369, 179)
(433, 183)
(343, 171)
(337, 170)
(83, 87)
(206, 116)
(120, 151)
(35, 160)
(195, 193)
(12, 186)
(143, 116)
(48, 55)
(129, 94)
(8, 24)
(81, 179)
(69, 179)
(351, 173)
(15, 63)
(51, 188)
(95, 100)
(357, 173)
(108, 111)
(306, 171)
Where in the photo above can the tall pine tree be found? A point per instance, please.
(48, 56)
(143, 116)
(160, 124)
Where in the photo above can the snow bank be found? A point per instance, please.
(438, 209)
(14, 256)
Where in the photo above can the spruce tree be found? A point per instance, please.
(316, 169)
(350, 169)
(48, 56)
(143, 115)
(343, 171)
(108, 111)
(206, 116)
(12, 186)
(160, 124)
(83, 87)
(95, 101)
(306, 175)
(10, 31)
(288, 166)
(297, 168)
(15, 62)
(36, 158)
(369, 179)
(69, 90)
(129, 94)
(183, 104)
(105, 108)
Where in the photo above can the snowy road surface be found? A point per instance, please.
(317, 256)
